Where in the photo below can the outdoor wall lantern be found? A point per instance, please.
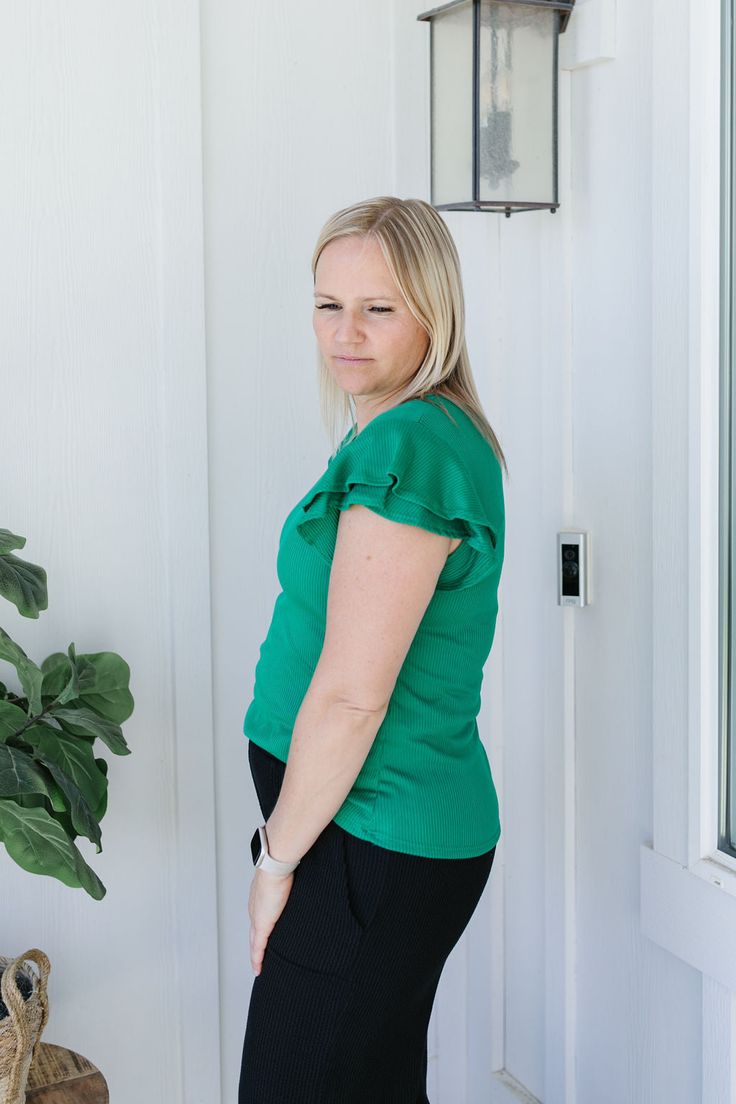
(493, 80)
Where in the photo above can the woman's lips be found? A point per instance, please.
(353, 360)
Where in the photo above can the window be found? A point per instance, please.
(688, 872)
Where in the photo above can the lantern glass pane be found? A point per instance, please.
(452, 105)
(518, 76)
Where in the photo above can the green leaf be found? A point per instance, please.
(71, 690)
(12, 718)
(59, 810)
(57, 671)
(81, 814)
(35, 841)
(59, 801)
(103, 684)
(10, 541)
(22, 583)
(19, 774)
(29, 674)
(60, 678)
(73, 757)
(80, 720)
(33, 801)
(101, 809)
(37, 801)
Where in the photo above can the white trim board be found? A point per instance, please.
(688, 889)
(690, 917)
(183, 404)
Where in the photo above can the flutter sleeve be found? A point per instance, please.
(409, 474)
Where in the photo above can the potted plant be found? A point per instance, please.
(52, 788)
(24, 1012)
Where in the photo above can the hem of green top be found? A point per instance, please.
(346, 821)
(471, 851)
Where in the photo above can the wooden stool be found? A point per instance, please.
(59, 1076)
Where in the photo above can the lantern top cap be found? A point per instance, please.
(565, 8)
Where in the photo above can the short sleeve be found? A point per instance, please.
(407, 473)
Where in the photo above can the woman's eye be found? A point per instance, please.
(328, 306)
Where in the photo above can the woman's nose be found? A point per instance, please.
(348, 326)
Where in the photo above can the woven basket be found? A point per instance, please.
(21, 1030)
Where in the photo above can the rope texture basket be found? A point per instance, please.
(21, 1030)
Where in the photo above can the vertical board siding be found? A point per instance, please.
(151, 473)
(297, 123)
(104, 472)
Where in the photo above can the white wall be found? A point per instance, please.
(102, 423)
(638, 1008)
(307, 109)
(561, 331)
(298, 121)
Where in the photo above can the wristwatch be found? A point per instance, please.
(261, 857)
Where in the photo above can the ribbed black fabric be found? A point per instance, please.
(340, 1010)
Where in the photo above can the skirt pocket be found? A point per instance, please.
(366, 876)
(317, 929)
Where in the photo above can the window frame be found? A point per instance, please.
(688, 885)
(727, 741)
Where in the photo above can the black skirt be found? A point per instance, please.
(340, 1010)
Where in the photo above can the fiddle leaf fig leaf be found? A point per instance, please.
(31, 676)
(81, 814)
(58, 799)
(73, 757)
(22, 583)
(101, 809)
(12, 719)
(10, 541)
(38, 844)
(80, 720)
(19, 774)
(103, 684)
(60, 678)
(52, 788)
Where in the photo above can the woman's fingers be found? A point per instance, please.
(268, 896)
(258, 949)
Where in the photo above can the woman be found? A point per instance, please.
(381, 813)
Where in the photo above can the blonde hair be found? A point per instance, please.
(423, 260)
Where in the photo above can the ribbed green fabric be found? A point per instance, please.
(425, 787)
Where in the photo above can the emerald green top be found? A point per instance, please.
(425, 787)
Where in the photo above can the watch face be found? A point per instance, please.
(255, 846)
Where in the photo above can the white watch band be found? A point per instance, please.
(273, 866)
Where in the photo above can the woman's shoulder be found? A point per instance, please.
(433, 430)
(447, 421)
(436, 413)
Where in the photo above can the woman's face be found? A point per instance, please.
(367, 335)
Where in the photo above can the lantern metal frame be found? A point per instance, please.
(564, 9)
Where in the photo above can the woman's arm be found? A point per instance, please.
(382, 579)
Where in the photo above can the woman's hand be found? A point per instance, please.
(268, 896)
